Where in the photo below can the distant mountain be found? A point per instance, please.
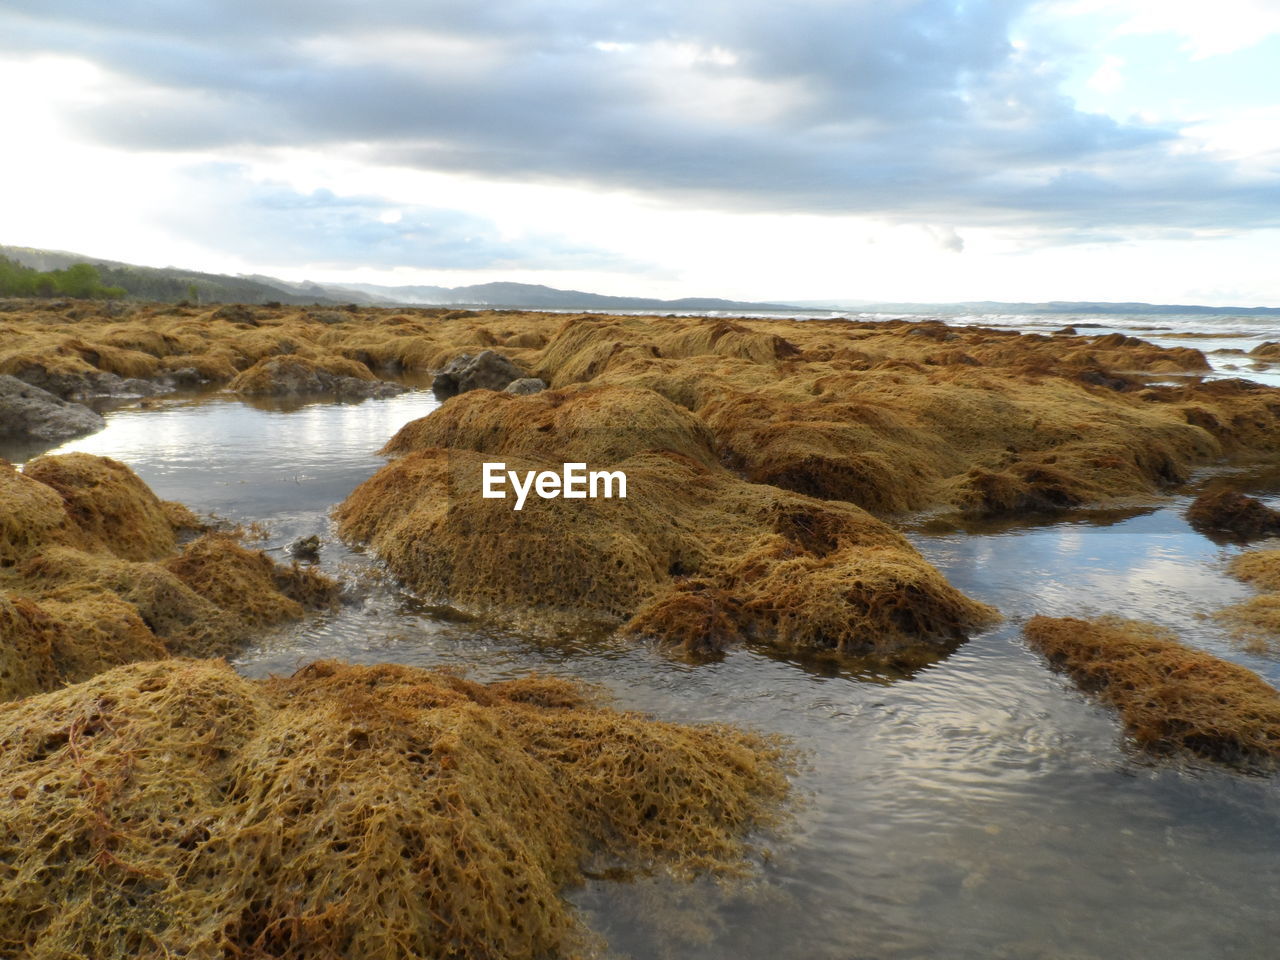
(547, 298)
(1051, 308)
(174, 283)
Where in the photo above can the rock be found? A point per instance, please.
(487, 370)
(29, 413)
(1100, 378)
(65, 385)
(329, 316)
(525, 386)
(294, 376)
(237, 313)
(75, 386)
(305, 548)
(136, 387)
(186, 377)
(1067, 331)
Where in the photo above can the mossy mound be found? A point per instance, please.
(92, 576)
(899, 416)
(299, 376)
(1256, 621)
(982, 441)
(177, 809)
(771, 566)
(597, 426)
(890, 415)
(1259, 567)
(31, 515)
(111, 506)
(1171, 697)
(1226, 511)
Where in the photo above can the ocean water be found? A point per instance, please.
(979, 807)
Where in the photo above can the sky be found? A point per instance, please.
(917, 150)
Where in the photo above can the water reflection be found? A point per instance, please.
(222, 456)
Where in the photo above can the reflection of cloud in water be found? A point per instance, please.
(224, 456)
(1150, 567)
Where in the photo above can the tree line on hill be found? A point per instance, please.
(80, 281)
(164, 284)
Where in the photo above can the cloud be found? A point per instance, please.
(272, 223)
(913, 110)
(1206, 29)
(946, 238)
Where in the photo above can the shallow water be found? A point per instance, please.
(979, 808)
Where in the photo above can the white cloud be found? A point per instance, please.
(837, 150)
(1207, 27)
(1109, 77)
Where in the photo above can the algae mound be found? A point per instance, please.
(295, 376)
(598, 426)
(890, 415)
(1256, 621)
(1228, 511)
(92, 575)
(177, 809)
(882, 413)
(1171, 697)
(693, 556)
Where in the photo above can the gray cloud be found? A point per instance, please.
(919, 110)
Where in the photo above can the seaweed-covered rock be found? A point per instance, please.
(974, 419)
(791, 571)
(1226, 511)
(177, 809)
(1169, 695)
(94, 576)
(599, 425)
(295, 376)
(29, 413)
(1256, 621)
(486, 370)
(1266, 351)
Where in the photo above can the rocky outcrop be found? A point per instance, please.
(83, 385)
(487, 370)
(525, 386)
(294, 376)
(29, 413)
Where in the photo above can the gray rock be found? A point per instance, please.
(353, 388)
(186, 377)
(94, 383)
(305, 548)
(29, 413)
(485, 371)
(525, 386)
(329, 316)
(134, 387)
